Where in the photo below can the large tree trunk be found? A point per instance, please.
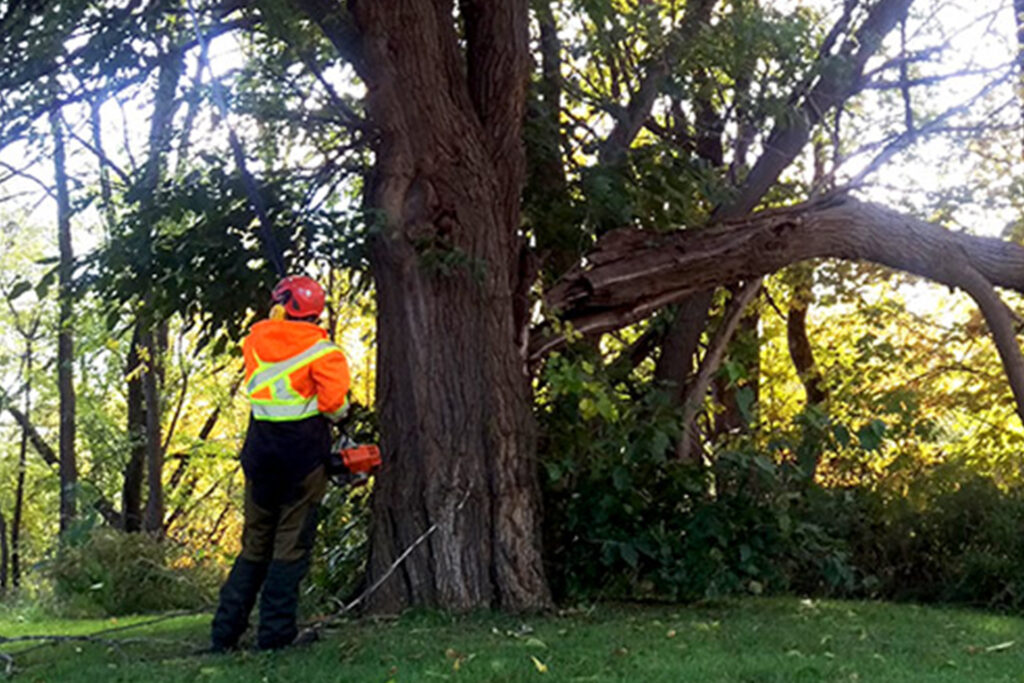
(65, 333)
(454, 402)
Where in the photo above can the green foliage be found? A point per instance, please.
(339, 556)
(110, 572)
(625, 518)
(950, 535)
(206, 254)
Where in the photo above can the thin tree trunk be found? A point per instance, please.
(686, 449)
(65, 332)
(803, 355)
(152, 332)
(106, 192)
(3, 555)
(745, 350)
(19, 491)
(131, 490)
(1018, 13)
(153, 521)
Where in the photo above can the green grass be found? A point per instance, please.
(783, 639)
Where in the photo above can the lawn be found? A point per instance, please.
(777, 639)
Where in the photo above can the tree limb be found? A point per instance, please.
(659, 67)
(694, 396)
(631, 273)
(841, 77)
(338, 26)
(1001, 325)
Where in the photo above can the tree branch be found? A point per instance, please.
(631, 273)
(1001, 325)
(629, 123)
(841, 77)
(694, 397)
(337, 24)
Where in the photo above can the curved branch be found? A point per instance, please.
(1001, 325)
(633, 272)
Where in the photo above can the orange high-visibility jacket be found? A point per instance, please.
(292, 372)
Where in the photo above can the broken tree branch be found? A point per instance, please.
(631, 273)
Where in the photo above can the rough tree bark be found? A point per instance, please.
(458, 437)
(65, 333)
(632, 273)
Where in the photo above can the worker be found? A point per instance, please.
(296, 381)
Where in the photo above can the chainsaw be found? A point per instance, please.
(351, 464)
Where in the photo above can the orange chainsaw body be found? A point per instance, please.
(363, 459)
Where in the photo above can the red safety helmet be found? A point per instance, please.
(301, 296)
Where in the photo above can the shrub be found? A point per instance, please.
(953, 536)
(624, 519)
(113, 573)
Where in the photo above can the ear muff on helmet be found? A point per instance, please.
(301, 296)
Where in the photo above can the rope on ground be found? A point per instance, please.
(345, 609)
(46, 640)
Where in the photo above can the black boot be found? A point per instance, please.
(237, 597)
(279, 604)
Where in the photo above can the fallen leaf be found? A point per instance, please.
(541, 666)
(671, 633)
(534, 641)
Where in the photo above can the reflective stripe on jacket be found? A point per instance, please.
(293, 372)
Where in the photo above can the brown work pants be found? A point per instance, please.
(284, 532)
(276, 544)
